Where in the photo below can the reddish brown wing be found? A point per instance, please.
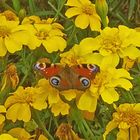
(48, 70)
(84, 70)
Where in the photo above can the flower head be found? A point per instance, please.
(85, 12)
(57, 105)
(19, 103)
(115, 43)
(12, 36)
(127, 120)
(10, 78)
(104, 84)
(65, 132)
(46, 33)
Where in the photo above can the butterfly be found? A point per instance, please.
(65, 77)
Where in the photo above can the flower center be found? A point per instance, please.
(88, 9)
(42, 35)
(130, 117)
(101, 79)
(112, 44)
(4, 31)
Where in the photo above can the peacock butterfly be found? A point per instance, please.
(66, 77)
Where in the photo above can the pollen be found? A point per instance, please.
(88, 9)
(128, 116)
(42, 35)
(112, 44)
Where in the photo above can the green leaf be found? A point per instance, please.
(16, 5)
(32, 6)
(131, 8)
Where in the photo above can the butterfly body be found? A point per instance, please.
(65, 77)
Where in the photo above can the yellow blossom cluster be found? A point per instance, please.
(32, 32)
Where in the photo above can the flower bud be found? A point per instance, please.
(102, 10)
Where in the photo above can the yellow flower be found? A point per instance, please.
(85, 12)
(127, 120)
(104, 84)
(7, 137)
(20, 133)
(10, 78)
(46, 33)
(65, 132)
(2, 117)
(54, 101)
(81, 54)
(115, 43)
(12, 36)
(19, 103)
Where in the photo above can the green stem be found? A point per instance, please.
(87, 127)
(131, 96)
(55, 9)
(23, 79)
(104, 22)
(41, 125)
(72, 35)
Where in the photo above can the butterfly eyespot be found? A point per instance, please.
(85, 81)
(92, 67)
(40, 66)
(55, 80)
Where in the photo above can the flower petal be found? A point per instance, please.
(110, 126)
(54, 44)
(87, 102)
(95, 24)
(82, 21)
(123, 134)
(109, 95)
(132, 52)
(73, 3)
(73, 12)
(2, 119)
(111, 60)
(3, 49)
(12, 46)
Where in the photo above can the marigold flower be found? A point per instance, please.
(127, 120)
(46, 33)
(7, 137)
(20, 134)
(113, 44)
(2, 117)
(12, 36)
(19, 103)
(85, 12)
(10, 78)
(53, 97)
(81, 54)
(104, 84)
(65, 132)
